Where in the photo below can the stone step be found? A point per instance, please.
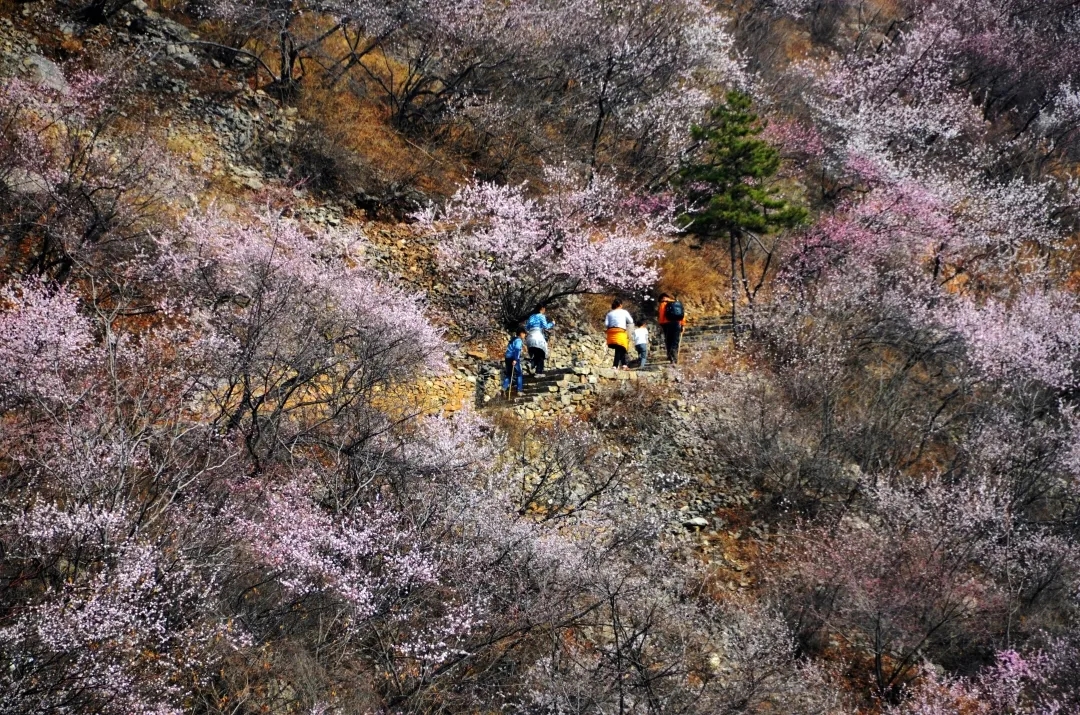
(724, 335)
(553, 389)
(709, 320)
(706, 337)
(713, 330)
(543, 391)
(558, 371)
(716, 338)
(702, 346)
(526, 399)
(547, 377)
(545, 384)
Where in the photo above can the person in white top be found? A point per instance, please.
(618, 323)
(641, 343)
(617, 317)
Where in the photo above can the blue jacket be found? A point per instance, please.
(513, 350)
(538, 320)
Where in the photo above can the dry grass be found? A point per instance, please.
(351, 114)
(361, 128)
(698, 276)
(350, 145)
(718, 360)
(594, 308)
(357, 136)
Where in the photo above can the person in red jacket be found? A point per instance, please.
(672, 318)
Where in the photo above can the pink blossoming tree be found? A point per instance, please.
(505, 253)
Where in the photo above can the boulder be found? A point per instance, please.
(45, 73)
(20, 181)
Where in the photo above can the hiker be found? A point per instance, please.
(512, 362)
(671, 317)
(618, 323)
(535, 341)
(641, 343)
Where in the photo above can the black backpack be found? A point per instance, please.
(674, 311)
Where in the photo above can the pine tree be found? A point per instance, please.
(729, 189)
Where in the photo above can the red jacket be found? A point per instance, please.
(663, 313)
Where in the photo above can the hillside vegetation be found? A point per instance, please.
(258, 261)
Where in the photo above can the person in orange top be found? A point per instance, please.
(672, 318)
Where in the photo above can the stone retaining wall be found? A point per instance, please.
(563, 393)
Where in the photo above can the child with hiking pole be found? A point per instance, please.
(512, 362)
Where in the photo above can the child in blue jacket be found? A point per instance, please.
(512, 362)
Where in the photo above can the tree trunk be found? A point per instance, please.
(734, 286)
